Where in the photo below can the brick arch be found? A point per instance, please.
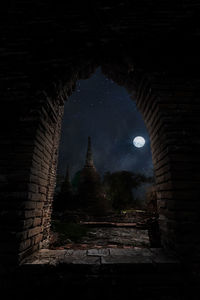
(169, 104)
(164, 108)
(63, 90)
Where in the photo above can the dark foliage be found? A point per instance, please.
(119, 186)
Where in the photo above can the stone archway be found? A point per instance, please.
(160, 99)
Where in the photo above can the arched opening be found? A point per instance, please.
(123, 76)
(118, 214)
(156, 97)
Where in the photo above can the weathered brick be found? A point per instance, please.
(34, 231)
(25, 244)
(37, 222)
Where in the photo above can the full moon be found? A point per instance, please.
(138, 141)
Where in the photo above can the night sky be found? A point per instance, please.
(103, 110)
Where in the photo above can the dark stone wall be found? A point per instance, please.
(170, 106)
(152, 49)
(28, 178)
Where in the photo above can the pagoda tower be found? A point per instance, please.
(89, 163)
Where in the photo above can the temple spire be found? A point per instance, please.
(89, 160)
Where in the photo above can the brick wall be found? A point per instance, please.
(28, 167)
(170, 107)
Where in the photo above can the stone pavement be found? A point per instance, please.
(105, 273)
(118, 236)
(103, 256)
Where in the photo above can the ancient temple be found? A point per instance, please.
(89, 163)
(90, 187)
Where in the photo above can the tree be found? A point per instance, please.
(119, 186)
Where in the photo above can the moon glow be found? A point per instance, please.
(139, 142)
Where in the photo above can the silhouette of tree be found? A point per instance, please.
(119, 186)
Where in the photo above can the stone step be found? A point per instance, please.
(139, 273)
